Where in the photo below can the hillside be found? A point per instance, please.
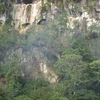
(49, 49)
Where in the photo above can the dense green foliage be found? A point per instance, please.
(2, 8)
(78, 67)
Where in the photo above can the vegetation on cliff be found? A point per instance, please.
(74, 55)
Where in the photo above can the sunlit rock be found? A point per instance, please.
(28, 13)
(23, 14)
(48, 73)
(91, 17)
(3, 18)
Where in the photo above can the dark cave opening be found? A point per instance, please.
(24, 1)
(25, 25)
(27, 1)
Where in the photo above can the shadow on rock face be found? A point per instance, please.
(24, 1)
(27, 1)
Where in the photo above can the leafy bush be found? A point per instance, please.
(23, 97)
(2, 8)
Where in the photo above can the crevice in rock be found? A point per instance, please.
(28, 13)
(27, 1)
(24, 1)
(40, 21)
(26, 24)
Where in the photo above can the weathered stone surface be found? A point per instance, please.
(97, 10)
(23, 14)
(90, 17)
(33, 13)
(3, 19)
(34, 63)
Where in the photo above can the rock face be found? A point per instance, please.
(34, 63)
(48, 73)
(84, 13)
(26, 14)
(33, 13)
(97, 10)
(3, 19)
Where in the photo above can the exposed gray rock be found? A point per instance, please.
(33, 13)
(34, 63)
(97, 10)
(3, 19)
(23, 13)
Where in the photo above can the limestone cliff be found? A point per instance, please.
(34, 56)
(33, 11)
(26, 14)
(34, 64)
(83, 12)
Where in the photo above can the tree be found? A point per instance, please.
(84, 94)
(69, 69)
(12, 73)
(23, 97)
(94, 76)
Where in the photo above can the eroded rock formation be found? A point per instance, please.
(23, 14)
(3, 19)
(84, 12)
(31, 12)
(34, 64)
(34, 61)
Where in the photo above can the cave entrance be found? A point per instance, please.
(25, 25)
(27, 1)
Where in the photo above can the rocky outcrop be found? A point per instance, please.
(48, 73)
(84, 13)
(97, 10)
(26, 14)
(34, 63)
(33, 13)
(3, 19)
(35, 60)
